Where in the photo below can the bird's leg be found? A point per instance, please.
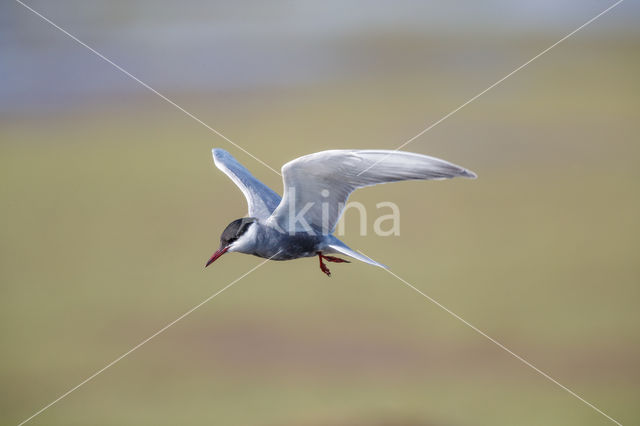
(323, 267)
(334, 259)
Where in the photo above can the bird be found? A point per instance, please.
(301, 223)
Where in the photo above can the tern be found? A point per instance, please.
(316, 188)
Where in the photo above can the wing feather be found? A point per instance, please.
(316, 186)
(261, 199)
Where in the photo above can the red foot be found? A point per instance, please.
(334, 259)
(323, 267)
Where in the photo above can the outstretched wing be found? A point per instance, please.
(261, 199)
(316, 186)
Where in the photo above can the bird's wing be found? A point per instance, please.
(261, 199)
(316, 186)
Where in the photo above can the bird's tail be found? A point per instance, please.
(341, 247)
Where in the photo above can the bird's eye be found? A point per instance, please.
(243, 228)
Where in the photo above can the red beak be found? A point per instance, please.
(216, 255)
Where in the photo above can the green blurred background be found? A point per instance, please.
(111, 205)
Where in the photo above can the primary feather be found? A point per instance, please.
(317, 186)
(261, 199)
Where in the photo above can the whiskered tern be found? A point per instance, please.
(316, 188)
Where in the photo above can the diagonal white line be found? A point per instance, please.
(503, 347)
(494, 84)
(133, 77)
(91, 377)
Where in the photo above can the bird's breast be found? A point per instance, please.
(282, 246)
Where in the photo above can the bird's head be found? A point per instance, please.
(231, 238)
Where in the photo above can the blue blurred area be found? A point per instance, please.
(112, 204)
(210, 46)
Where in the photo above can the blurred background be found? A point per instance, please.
(111, 205)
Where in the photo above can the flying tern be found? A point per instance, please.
(316, 188)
